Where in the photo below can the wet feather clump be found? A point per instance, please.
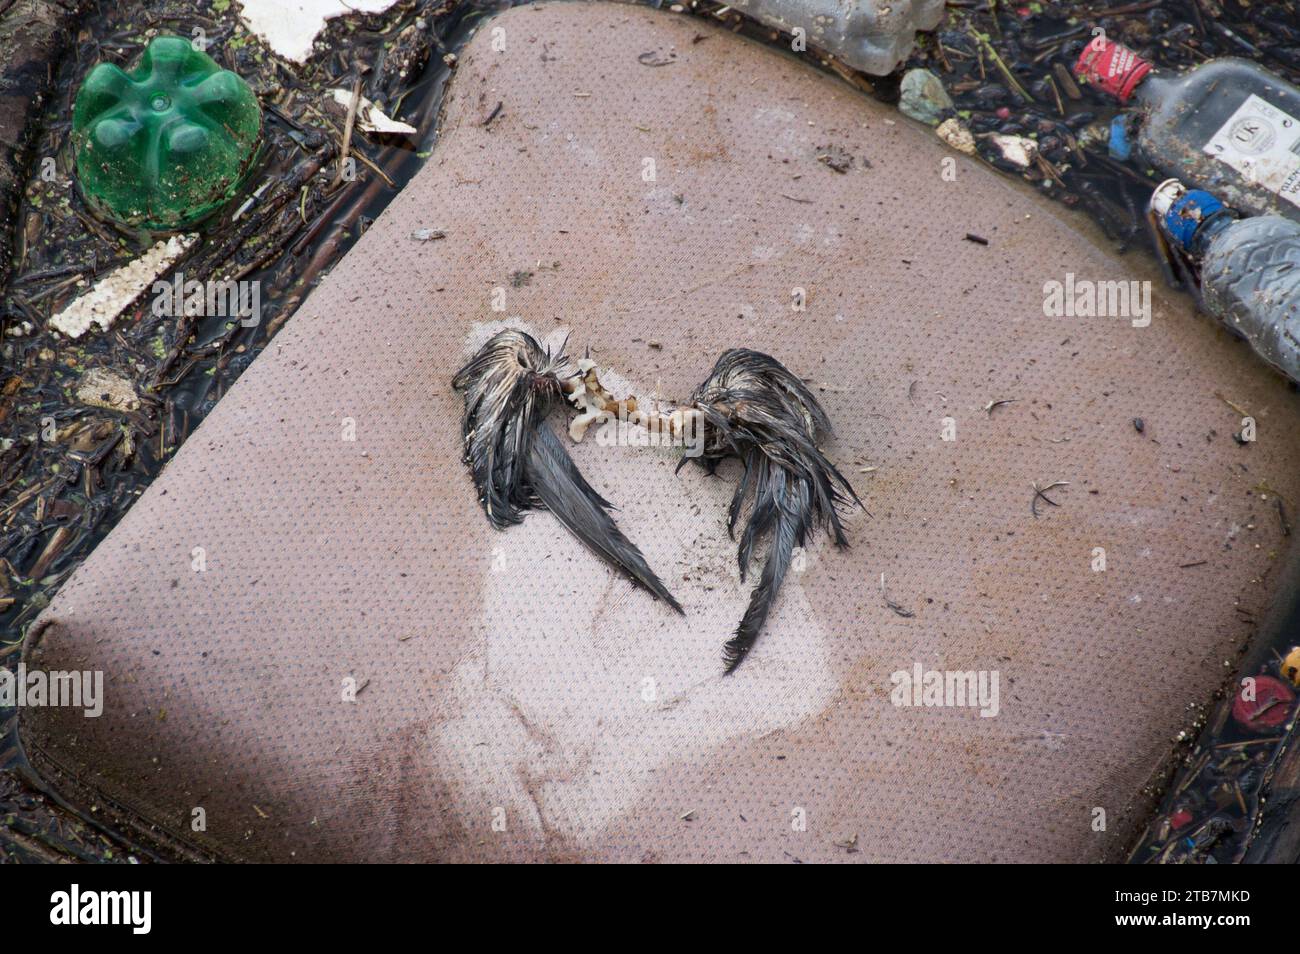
(755, 410)
(518, 464)
(509, 387)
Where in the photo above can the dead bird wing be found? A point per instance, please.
(559, 486)
(518, 464)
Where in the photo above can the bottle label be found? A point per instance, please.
(1262, 143)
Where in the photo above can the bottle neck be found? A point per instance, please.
(1209, 231)
(1151, 89)
(1191, 218)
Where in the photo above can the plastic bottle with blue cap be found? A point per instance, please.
(1227, 124)
(1249, 268)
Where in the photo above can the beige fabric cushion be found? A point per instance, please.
(510, 676)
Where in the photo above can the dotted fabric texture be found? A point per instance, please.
(521, 702)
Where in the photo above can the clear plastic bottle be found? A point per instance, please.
(1229, 125)
(874, 36)
(1249, 269)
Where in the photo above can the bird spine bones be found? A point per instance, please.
(594, 401)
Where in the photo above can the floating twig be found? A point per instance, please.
(987, 45)
(348, 126)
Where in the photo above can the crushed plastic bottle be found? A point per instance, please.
(169, 142)
(1249, 268)
(1228, 125)
(874, 36)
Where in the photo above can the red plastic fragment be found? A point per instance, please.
(1268, 709)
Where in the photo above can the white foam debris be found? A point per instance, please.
(113, 293)
(369, 116)
(290, 26)
(1020, 150)
(100, 387)
(956, 135)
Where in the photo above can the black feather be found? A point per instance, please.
(518, 464)
(563, 491)
(509, 387)
(754, 409)
(790, 505)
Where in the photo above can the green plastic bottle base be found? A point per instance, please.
(168, 143)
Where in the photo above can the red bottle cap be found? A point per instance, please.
(1112, 67)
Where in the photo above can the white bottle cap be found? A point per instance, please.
(1165, 196)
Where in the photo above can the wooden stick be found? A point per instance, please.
(347, 128)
